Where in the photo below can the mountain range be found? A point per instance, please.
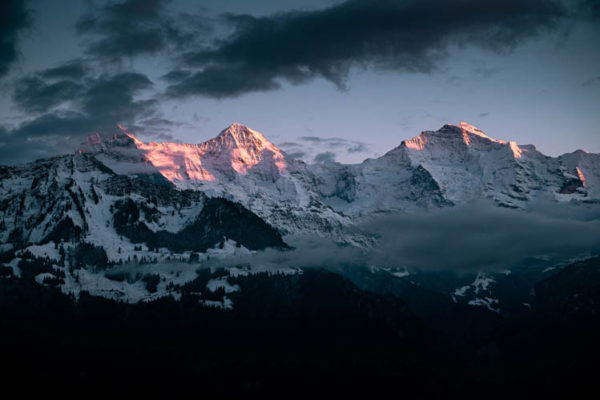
(454, 263)
(451, 166)
(120, 201)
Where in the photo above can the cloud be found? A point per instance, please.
(33, 94)
(358, 148)
(176, 75)
(352, 146)
(66, 111)
(474, 237)
(405, 36)
(590, 9)
(75, 69)
(328, 156)
(223, 81)
(294, 150)
(15, 17)
(49, 88)
(132, 28)
(310, 148)
(298, 154)
(480, 236)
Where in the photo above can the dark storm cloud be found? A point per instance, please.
(33, 94)
(95, 104)
(49, 88)
(104, 96)
(224, 81)
(401, 35)
(135, 27)
(591, 8)
(15, 17)
(111, 97)
(176, 75)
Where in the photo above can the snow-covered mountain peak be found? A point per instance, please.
(467, 132)
(95, 142)
(242, 149)
(472, 129)
(129, 135)
(242, 134)
(452, 165)
(237, 150)
(450, 137)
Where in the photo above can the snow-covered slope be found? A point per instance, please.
(455, 165)
(239, 164)
(75, 199)
(585, 168)
(450, 166)
(120, 200)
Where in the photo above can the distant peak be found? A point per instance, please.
(237, 125)
(243, 136)
(240, 130)
(466, 127)
(449, 133)
(97, 142)
(470, 128)
(130, 135)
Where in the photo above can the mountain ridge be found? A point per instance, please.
(450, 166)
(65, 219)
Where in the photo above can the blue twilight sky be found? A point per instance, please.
(352, 78)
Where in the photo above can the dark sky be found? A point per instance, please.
(328, 80)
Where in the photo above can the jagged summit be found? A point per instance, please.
(450, 136)
(236, 150)
(466, 131)
(124, 133)
(241, 132)
(239, 136)
(241, 149)
(453, 164)
(472, 129)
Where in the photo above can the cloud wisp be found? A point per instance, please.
(323, 149)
